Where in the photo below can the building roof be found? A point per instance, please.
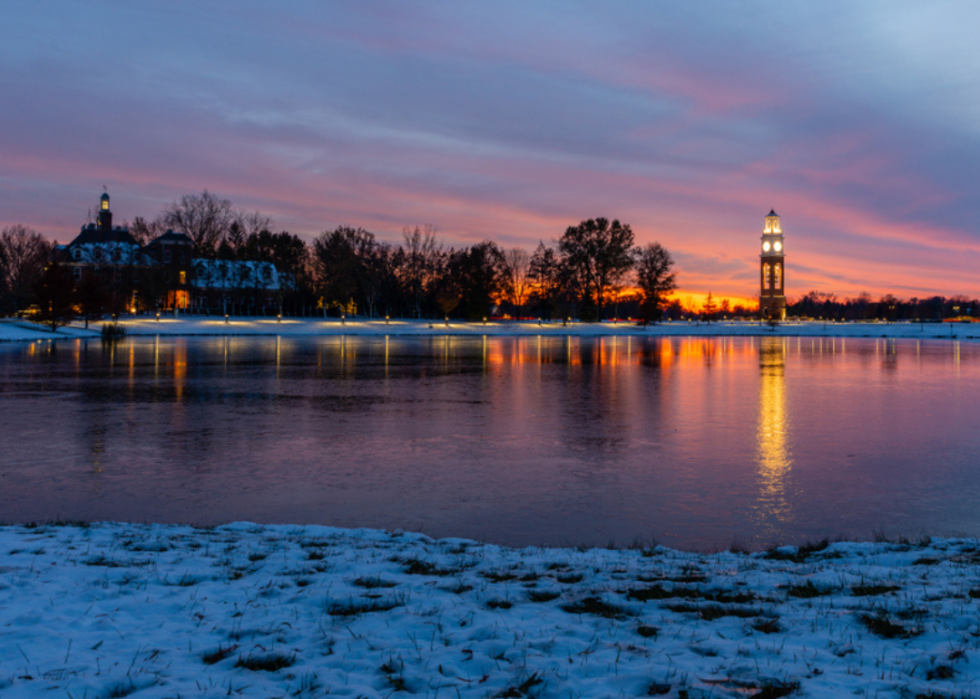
(94, 234)
(772, 212)
(171, 237)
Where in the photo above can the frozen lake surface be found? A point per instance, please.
(692, 442)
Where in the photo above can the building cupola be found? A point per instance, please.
(105, 215)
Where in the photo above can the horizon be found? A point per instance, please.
(856, 124)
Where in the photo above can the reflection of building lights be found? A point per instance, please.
(773, 458)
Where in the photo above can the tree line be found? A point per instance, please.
(821, 305)
(593, 271)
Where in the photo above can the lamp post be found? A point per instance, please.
(387, 319)
(343, 319)
(226, 319)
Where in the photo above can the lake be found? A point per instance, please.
(690, 442)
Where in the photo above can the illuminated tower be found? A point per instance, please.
(772, 294)
(104, 217)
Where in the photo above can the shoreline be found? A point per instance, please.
(166, 610)
(204, 326)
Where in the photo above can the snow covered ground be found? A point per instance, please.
(204, 325)
(12, 329)
(111, 610)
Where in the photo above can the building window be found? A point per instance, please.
(78, 273)
(183, 256)
(183, 277)
(166, 255)
(76, 253)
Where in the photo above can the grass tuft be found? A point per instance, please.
(801, 554)
(542, 595)
(216, 656)
(596, 606)
(808, 590)
(353, 608)
(416, 566)
(120, 689)
(373, 583)
(767, 626)
(863, 590)
(776, 691)
(266, 663)
(710, 612)
(880, 625)
(496, 577)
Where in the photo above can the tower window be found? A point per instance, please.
(166, 255)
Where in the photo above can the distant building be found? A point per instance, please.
(173, 255)
(164, 274)
(772, 270)
(249, 285)
(106, 252)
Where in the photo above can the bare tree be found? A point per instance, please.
(23, 255)
(517, 270)
(144, 231)
(421, 263)
(204, 218)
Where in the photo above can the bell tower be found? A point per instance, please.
(104, 217)
(772, 294)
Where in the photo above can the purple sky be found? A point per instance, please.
(858, 122)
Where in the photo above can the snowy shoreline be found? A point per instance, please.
(15, 330)
(165, 610)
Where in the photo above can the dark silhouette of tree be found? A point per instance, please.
(55, 296)
(554, 285)
(203, 218)
(479, 273)
(517, 277)
(144, 231)
(656, 279)
(710, 308)
(419, 264)
(23, 255)
(91, 296)
(599, 252)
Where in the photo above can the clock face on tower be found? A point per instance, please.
(765, 246)
(777, 246)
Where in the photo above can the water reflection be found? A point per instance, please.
(772, 435)
(524, 440)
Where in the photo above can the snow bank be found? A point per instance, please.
(13, 330)
(165, 611)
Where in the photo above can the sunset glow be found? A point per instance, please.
(510, 122)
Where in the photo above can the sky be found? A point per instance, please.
(859, 123)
